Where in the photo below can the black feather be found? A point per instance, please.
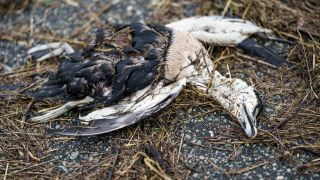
(101, 66)
(252, 47)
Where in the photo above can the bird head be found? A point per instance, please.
(248, 114)
(239, 99)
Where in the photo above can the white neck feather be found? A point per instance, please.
(185, 57)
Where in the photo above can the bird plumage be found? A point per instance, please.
(115, 63)
(136, 70)
(218, 30)
(226, 31)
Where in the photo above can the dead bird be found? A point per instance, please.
(136, 70)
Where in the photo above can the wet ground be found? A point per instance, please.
(195, 139)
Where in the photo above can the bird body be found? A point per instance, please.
(136, 70)
(116, 62)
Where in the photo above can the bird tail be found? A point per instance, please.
(7, 89)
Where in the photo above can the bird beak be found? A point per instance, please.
(248, 122)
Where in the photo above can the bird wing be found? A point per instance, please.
(114, 64)
(217, 29)
(226, 31)
(147, 102)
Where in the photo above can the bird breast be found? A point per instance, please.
(186, 58)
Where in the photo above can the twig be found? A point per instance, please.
(273, 137)
(14, 36)
(110, 171)
(6, 172)
(226, 7)
(180, 146)
(246, 10)
(30, 167)
(86, 25)
(217, 167)
(246, 169)
(256, 60)
(148, 161)
(296, 110)
(315, 162)
(24, 117)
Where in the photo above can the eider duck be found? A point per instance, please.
(134, 71)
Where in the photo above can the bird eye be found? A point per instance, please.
(207, 29)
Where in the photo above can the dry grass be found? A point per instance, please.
(153, 150)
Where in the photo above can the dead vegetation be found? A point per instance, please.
(152, 150)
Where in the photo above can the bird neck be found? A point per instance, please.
(186, 57)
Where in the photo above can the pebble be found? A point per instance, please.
(211, 133)
(199, 142)
(279, 177)
(74, 155)
(187, 136)
(64, 169)
(269, 110)
(277, 97)
(195, 175)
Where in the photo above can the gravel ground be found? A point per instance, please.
(199, 153)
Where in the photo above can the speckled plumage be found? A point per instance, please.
(117, 62)
(137, 70)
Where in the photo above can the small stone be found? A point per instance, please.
(74, 155)
(211, 133)
(199, 142)
(192, 151)
(279, 177)
(184, 145)
(201, 157)
(269, 110)
(277, 97)
(64, 169)
(195, 175)
(187, 136)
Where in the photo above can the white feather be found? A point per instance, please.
(142, 101)
(217, 29)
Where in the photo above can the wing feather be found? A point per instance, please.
(145, 105)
